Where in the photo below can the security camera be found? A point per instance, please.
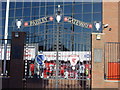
(106, 25)
(110, 29)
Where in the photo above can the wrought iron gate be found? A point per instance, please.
(112, 61)
(67, 59)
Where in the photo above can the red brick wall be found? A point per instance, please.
(110, 16)
(119, 22)
(98, 80)
(97, 67)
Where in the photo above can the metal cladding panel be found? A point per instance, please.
(98, 54)
(113, 71)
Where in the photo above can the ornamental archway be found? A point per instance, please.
(62, 66)
(50, 18)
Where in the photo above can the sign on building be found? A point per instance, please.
(77, 22)
(38, 21)
(68, 55)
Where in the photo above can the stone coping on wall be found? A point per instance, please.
(99, 33)
(112, 80)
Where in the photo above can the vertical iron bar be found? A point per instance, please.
(72, 34)
(57, 62)
(5, 56)
(104, 60)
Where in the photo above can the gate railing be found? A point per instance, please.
(81, 71)
(112, 61)
(2, 41)
(79, 77)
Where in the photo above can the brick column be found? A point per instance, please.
(97, 60)
(111, 12)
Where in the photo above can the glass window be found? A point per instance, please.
(50, 27)
(50, 23)
(41, 28)
(26, 19)
(87, 1)
(67, 9)
(26, 29)
(11, 21)
(4, 5)
(19, 4)
(87, 18)
(97, 0)
(76, 2)
(86, 30)
(12, 5)
(50, 3)
(67, 27)
(87, 8)
(11, 12)
(18, 12)
(10, 29)
(32, 29)
(0, 13)
(27, 4)
(97, 7)
(3, 22)
(33, 18)
(0, 32)
(0, 29)
(3, 28)
(35, 11)
(50, 10)
(78, 17)
(27, 12)
(0, 22)
(59, 3)
(43, 4)
(77, 29)
(42, 11)
(78, 8)
(97, 17)
(67, 3)
(3, 13)
(35, 4)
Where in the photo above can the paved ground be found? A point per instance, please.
(63, 83)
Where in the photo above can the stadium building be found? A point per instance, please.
(70, 36)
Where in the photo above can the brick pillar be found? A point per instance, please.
(97, 60)
(119, 21)
(16, 60)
